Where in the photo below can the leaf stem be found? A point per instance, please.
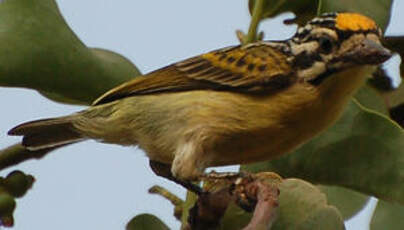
(175, 200)
(255, 20)
(17, 153)
(319, 7)
(190, 200)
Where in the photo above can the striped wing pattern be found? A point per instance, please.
(253, 68)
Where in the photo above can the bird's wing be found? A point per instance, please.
(253, 68)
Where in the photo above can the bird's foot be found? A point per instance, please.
(216, 176)
(164, 170)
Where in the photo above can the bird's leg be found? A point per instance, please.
(164, 170)
(222, 175)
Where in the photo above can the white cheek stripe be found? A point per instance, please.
(316, 69)
(309, 47)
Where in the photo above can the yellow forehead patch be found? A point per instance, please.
(354, 22)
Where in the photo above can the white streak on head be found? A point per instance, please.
(309, 47)
(349, 44)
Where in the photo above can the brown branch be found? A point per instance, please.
(17, 153)
(175, 200)
(252, 192)
(266, 208)
(209, 210)
(395, 43)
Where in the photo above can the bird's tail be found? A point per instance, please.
(47, 133)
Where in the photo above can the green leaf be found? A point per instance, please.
(396, 43)
(146, 222)
(38, 50)
(395, 97)
(348, 202)
(18, 183)
(234, 218)
(304, 9)
(301, 206)
(7, 207)
(387, 216)
(363, 151)
(371, 99)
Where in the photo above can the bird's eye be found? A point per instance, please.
(326, 44)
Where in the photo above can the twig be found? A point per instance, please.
(175, 200)
(17, 153)
(258, 192)
(209, 210)
(255, 20)
(240, 36)
(265, 212)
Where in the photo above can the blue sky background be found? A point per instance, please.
(98, 186)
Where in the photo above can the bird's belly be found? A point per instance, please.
(262, 145)
(267, 134)
(230, 128)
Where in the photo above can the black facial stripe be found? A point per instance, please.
(302, 34)
(344, 35)
(334, 44)
(305, 61)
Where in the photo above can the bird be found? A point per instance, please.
(236, 105)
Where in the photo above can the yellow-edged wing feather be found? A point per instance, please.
(253, 68)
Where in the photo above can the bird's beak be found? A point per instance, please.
(369, 52)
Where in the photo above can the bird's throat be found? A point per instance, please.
(339, 87)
